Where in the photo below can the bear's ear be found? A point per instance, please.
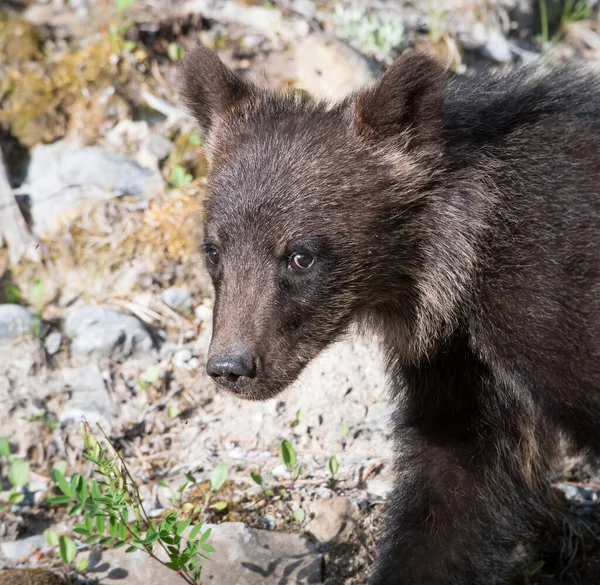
(409, 96)
(209, 88)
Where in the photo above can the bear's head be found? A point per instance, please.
(308, 212)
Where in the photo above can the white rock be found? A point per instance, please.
(176, 298)
(332, 518)
(24, 548)
(53, 342)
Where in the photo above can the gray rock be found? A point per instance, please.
(53, 342)
(24, 548)
(579, 493)
(243, 556)
(176, 298)
(89, 396)
(158, 146)
(333, 518)
(15, 321)
(268, 521)
(61, 177)
(379, 488)
(330, 68)
(104, 332)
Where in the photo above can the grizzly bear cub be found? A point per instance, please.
(459, 220)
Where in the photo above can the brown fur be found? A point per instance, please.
(459, 220)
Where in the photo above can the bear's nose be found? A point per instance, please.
(232, 371)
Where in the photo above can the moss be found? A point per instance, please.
(20, 42)
(30, 577)
(41, 99)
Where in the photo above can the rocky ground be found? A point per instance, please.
(112, 324)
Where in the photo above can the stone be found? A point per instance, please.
(15, 321)
(104, 332)
(497, 47)
(181, 358)
(176, 298)
(30, 577)
(203, 313)
(332, 518)
(62, 176)
(243, 556)
(24, 548)
(158, 146)
(330, 68)
(53, 342)
(268, 521)
(379, 488)
(579, 493)
(89, 396)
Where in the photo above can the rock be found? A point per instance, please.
(203, 313)
(243, 556)
(53, 342)
(181, 358)
(158, 146)
(379, 488)
(330, 68)
(24, 548)
(89, 396)
(497, 47)
(105, 332)
(15, 321)
(62, 176)
(579, 493)
(176, 298)
(268, 521)
(30, 577)
(332, 518)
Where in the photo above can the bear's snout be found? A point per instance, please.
(233, 370)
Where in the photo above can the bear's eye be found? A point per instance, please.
(212, 254)
(301, 261)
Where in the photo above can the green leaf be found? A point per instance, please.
(181, 526)
(75, 509)
(172, 411)
(218, 477)
(82, 492)
(179, 177)
(58, 500)
(62, 483)
(194, 138)
(123, 5)
(219, 506)
(151, 375)
(51, 537)
(299, 515)
(19, 473)
(190, 478)
(344, 431)
(14, 497)
(131, 549)
(256, 477)
(122, 531)
(60, 466)
(207, 548)
(82, 564)
(269, 493)
(195, 531)
(81, 529)
(334, 465)
(96, 493)
(288, 454)
(4, 447)
(67, 549)
(100, 524)
(163, 482)
(205, 536)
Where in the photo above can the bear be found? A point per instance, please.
(457, 219)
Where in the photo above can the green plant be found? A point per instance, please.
(288, 455)
(371, 32)
(18, 473)
(149, 377)
(299, 418)
(334, 467)
(175, 52)
(179, 177)
(46, 418)
(258, 479)
(118, 29)
(572, 11)
(104, 507)
(11, 293)
(217, 478)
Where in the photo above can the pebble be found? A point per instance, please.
(104, 332)
(203, 313)
(181, 358)
(268, 521)
(15, 321)
(332, 518)
(379, 488)
(176, 298)
(53, 342)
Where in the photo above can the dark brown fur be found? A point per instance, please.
(460, 220)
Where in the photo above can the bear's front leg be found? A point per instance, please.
(470, 481)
